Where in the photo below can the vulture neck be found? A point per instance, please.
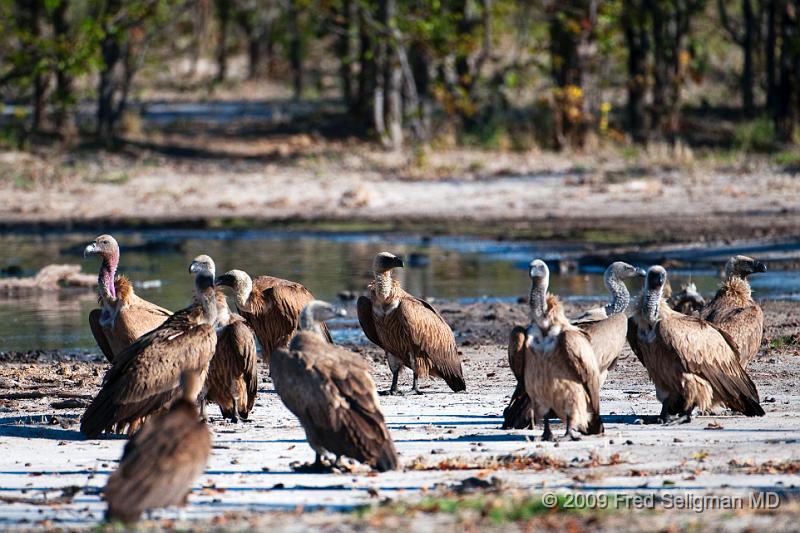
(651, 300)
(242, 295)
(537, 300)
(738, 288)
(620, 297)
(384, 285)
(208, 300)
(105, 280)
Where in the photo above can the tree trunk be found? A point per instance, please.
(394, 83)
(634, 23)
(224, 16)
(344, 51)
(368, 72)
(111, 53)
(786, 115)
(771, 66)
(63, 96)
(295, 49)
(29, 14)
(748, 44)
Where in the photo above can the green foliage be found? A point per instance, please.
(756, 136)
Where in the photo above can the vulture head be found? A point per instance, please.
(317, 311)
(621, 270)
(106, 247)
(540, 280)
(742, 266)
(385, 262)
(241, 283)
(203, 263)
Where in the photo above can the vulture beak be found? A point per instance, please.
(226, 280)
(90, 250)
(194, 268)
(397, 262)
(641, 272)
(760, 267)
(340, 311)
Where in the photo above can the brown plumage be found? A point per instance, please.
(606, 327)
(518, 413)
(123, 317)
(161, 462)
(560, 367)
(409, 329)
(232, 381)
(691, 362)
(734, 311)
(271, 306)
(145, 377)
(331, 392)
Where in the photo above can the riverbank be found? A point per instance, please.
(454, 455)
(301, 182)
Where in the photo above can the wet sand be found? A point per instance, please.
(443, 439)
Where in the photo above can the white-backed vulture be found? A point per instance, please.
(330, 390)
(145, 377)
(733, 309)
(409, 329)
(162, 461)
(692, 363)
(688, 301)
(271, 306)
(123, 317)
(560, 367)
(232, 381)
(606, 326)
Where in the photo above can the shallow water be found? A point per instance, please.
(444, 268)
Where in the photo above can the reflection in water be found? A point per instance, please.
(326, 264)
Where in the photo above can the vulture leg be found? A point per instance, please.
(235, 396)
(570, 433)
(415, 385)
(683, 418)
(547, 435)
(395, 365)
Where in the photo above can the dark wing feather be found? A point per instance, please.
(146, 375)
(518, 413)
(249, 357)
(705, 350)
(99, 334)
(516, 353)
(434, 338)
(633, 339)
(365, 318)
(159, 465)
(577, 349)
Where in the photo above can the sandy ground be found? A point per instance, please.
(50, 477)
(302, 177)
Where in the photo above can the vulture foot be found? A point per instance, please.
(675, 420)
(391, 392)
(547, 435)
(317, 467)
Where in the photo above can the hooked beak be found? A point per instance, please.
(759, 267)
(194, 268)
(90, 250)
(641, 272)
(397, 262)
(226, 280)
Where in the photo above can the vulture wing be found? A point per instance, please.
(365, 318)
(710, 353)
(434, 338)
(516, 353)
(100, 335)
(146, 375)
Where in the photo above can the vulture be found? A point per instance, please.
(232, 381)
(408, 329)
(561, 372)
(733, 309)
(162, 461)
(271, 306)
(692, 363)
(688, 301)
(606, 326)
(145, 376)
(123, 317)
(330, 390)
